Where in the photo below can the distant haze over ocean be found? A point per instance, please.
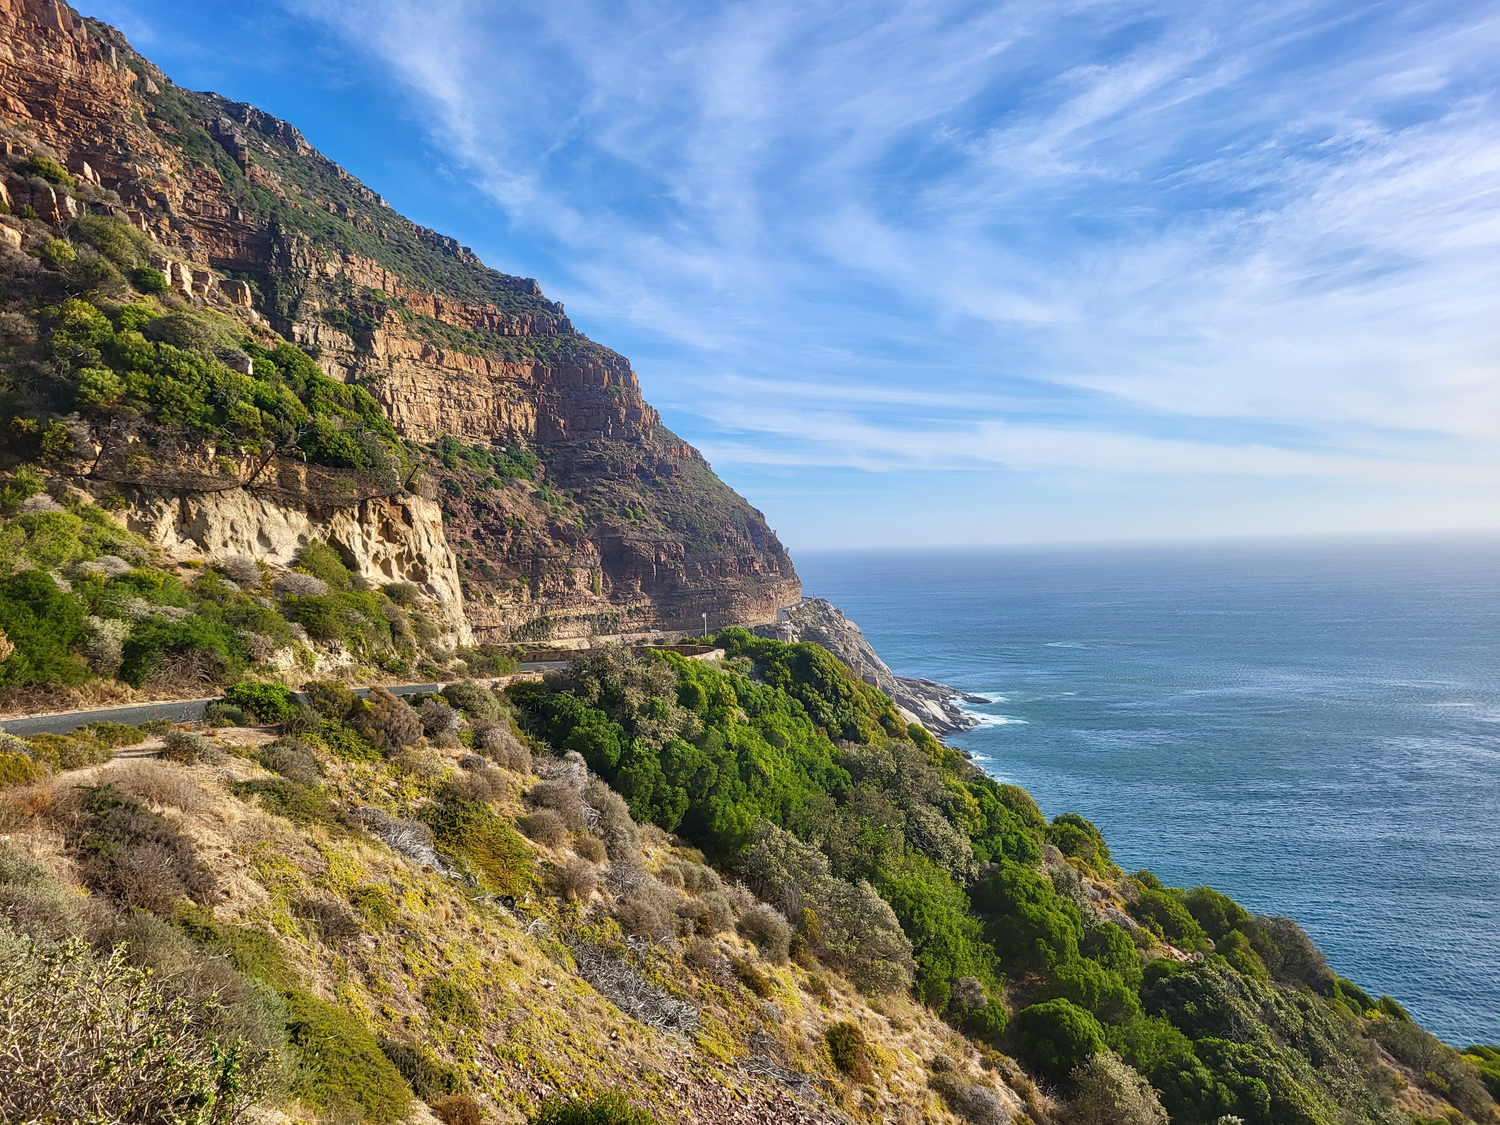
(1311, 727)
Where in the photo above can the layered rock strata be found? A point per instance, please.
(618, 527)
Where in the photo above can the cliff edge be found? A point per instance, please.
(571, 510)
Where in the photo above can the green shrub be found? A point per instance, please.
(118, 241)
(206, 646)
(255, 953)
(148, 280)
(322, 561)
(473, 699)
(1217, 913)
(330, 698)
(44, 624)
(377, 905)
(451, 1002)
(1166, 914)
(342, 1066)
(271, 703)
(343, 741)
(1486, 1060)
(607, 1109)
(116, 735)
(69, 751)
(1077, 838)
(219, 714)
(469, 833)
(282, 796)
(752, 977)
(47, 168)
(1055, 1037)
(849, 1051)
(428, 1078)
(18, 769)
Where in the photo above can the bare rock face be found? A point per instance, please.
(383, 540)
(615, 527)
(920, 701)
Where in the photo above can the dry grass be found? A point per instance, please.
(23, 700)
(163, 785)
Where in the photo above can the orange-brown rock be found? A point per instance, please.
(621, 527)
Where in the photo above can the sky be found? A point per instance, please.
(947, 273)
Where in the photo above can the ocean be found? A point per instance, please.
(1311, 727)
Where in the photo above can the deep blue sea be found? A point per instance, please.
(1311, 727)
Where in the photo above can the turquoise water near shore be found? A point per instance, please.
(1311, 727)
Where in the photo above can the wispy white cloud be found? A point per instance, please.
(1228, 239)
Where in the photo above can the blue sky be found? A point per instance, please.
(956, 273)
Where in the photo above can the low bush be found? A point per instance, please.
(160, 785)
(217, 714)
(1111, 1092)
(588, 847)
(116, 735)
(330, 920)
(451, 1002)
(975, 1103)
(504, 748)
(271, 703)
(769, 931)
(472, 835)
(291, 759)
(330, 698)
(849, 1051)
(473, 699)
(545, 827)
(648, 909)
(343, 741)
(428, 1078)
(607, 1109)
(303, 804)
(482, 785)
(18, 769)
(254, 953)
(136, 857)
(343, 1069)
(616, 827)
(89, 1038)
(753, 977)
(455, 1109)
(376, 904)
(574, 879)
(389, 722)
(186, 747)
(562, 799)
(72, 751)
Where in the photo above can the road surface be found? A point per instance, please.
(181, 710)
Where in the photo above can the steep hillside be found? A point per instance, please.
(733, 891)
(575, 513)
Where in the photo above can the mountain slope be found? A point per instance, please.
(573, 511)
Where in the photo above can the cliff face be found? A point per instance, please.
(572, 511)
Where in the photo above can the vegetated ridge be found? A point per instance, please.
(186, 221)
(640, 889)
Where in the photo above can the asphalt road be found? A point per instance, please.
(178, 710)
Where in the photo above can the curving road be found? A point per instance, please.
(182, 710)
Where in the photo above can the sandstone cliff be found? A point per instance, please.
(610, 525)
